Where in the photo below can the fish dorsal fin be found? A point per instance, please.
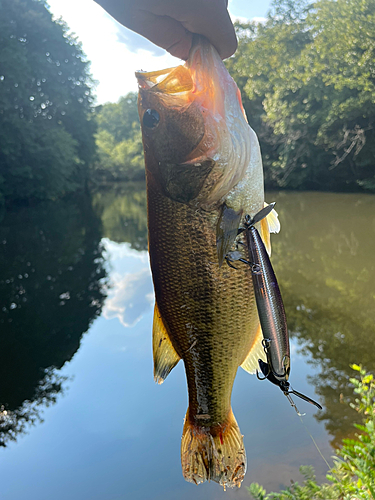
(269, 224)
(165, 357)
(256, 352)
(226, 231)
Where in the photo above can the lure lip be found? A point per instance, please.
(285, 387)
(260, 215)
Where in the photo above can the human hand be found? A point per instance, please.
(170, 24)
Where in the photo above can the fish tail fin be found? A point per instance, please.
(213, 453)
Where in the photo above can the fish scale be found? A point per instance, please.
(191, 289)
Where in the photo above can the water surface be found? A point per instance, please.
(76, 317)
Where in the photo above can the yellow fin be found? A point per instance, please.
(273, 221)
(256, 352)
(213, 453)
(165, 357)
(269, 225)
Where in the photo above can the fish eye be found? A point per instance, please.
(151, 118)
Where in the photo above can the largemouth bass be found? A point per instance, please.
(204, 173)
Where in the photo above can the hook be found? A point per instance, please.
(263, 365)
(293, 404)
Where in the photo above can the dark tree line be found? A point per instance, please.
(46, 134)
(307, 76)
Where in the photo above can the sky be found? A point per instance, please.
(116, 53)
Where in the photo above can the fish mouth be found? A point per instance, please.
(168, 81)
(193, 76)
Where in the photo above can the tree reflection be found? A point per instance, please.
(323, 258)
(52, 286)
(123, 211)
(16, 421)
(324, 262)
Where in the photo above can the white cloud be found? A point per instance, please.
(244, 20)
(240, 19)
(260, 20)
(130, 297)
(119, 251)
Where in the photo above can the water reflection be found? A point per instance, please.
(131, 293)
(324, 258)
(51, 289)
(122, 210)
(324, 261)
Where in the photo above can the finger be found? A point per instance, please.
(170, 24)
(220, 32)
(163, 31)
(204, 17)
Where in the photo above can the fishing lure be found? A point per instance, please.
(270, 309)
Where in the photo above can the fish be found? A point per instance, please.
(203, 173)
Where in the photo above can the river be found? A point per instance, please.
(80, 415)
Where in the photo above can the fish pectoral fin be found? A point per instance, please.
(269, 224)
(226, 231)
(165, 356)
(213, 453)
(251, 363)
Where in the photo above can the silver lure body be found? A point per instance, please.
(270, 306)
(270, 310)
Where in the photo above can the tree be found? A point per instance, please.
(119, 141)
(308, 77)
(45, 99)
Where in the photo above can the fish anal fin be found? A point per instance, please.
(165, 356)
(226, 231)
(213, 453)
(256, 352)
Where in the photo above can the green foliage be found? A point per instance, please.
(309, 490)
(45, 98)
(119, 141)
(353, 475)
(308, 75)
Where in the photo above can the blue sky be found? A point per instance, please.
(116, 52)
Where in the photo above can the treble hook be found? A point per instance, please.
(266, 345)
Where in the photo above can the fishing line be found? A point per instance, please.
(315, 444)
